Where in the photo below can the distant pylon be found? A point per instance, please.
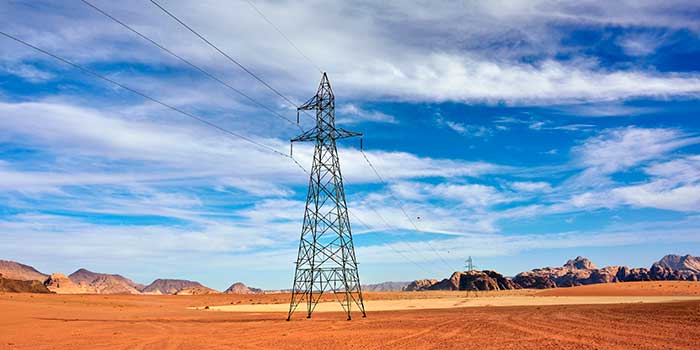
(469, 264)
(326, 260)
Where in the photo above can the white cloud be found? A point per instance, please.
(350, 114)
(619, 149)
(526, 186)
(468, 195)
(504, 245)
(603, 109)
(405, 53)
(471, 130)
(641, 44)
(28, 72)
(675, 185)
(681, 170)
(155, 149)
(655, 195)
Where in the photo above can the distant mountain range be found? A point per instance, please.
(385, 287)
(16, 277)
(575, 272)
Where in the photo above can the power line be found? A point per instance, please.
(182, 59)
(147, 97)
(224, 54)
(363, 154)
(284, 36)
(170, 14)
(367, 226)
(187, 114)
(392, 227)
(276, 91)
(374, 169)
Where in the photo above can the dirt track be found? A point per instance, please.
(164, 322)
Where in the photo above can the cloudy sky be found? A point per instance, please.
(522, 133)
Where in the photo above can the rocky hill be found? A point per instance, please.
(103, 283)
(467, 280)
(385, 287)
(420, 285)
(240, 288)
(681, 263)
(60, 284)
(169, 286)
(8, 285)
(197, 290)
(16, 271)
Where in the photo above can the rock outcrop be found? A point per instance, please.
(240, 288)
(169, 286)
(420, 285)
(681, 263)
(60, 284)
(16, 271)
(466, 280)
(103, 283)
(580, 263)
(8, 285)
(533, 281)
(198, 290)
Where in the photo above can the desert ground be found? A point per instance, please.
(634, 315)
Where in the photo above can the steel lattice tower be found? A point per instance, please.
(326, 261)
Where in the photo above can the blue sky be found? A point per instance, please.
(522, 133)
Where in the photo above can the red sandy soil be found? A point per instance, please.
(32, 321)
(658, 288)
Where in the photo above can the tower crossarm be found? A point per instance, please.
(316, 134)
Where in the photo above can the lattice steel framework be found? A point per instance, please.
(326, 261)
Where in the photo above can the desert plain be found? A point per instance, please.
(635, 315)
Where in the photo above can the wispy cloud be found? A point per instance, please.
(28, 72)
(350, 114)
(385, 65)
(619, 149)
(469, 130)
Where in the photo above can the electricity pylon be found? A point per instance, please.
(469, 264)
(326, 260)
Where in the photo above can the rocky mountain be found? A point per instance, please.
(103, 283)
(8, 285)
(197, 290)
(467, 280)
(385, 287)
(17, 271)
(580, 263)
(682, 263)
(169, 286)
(240, 288)
(60, 284)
